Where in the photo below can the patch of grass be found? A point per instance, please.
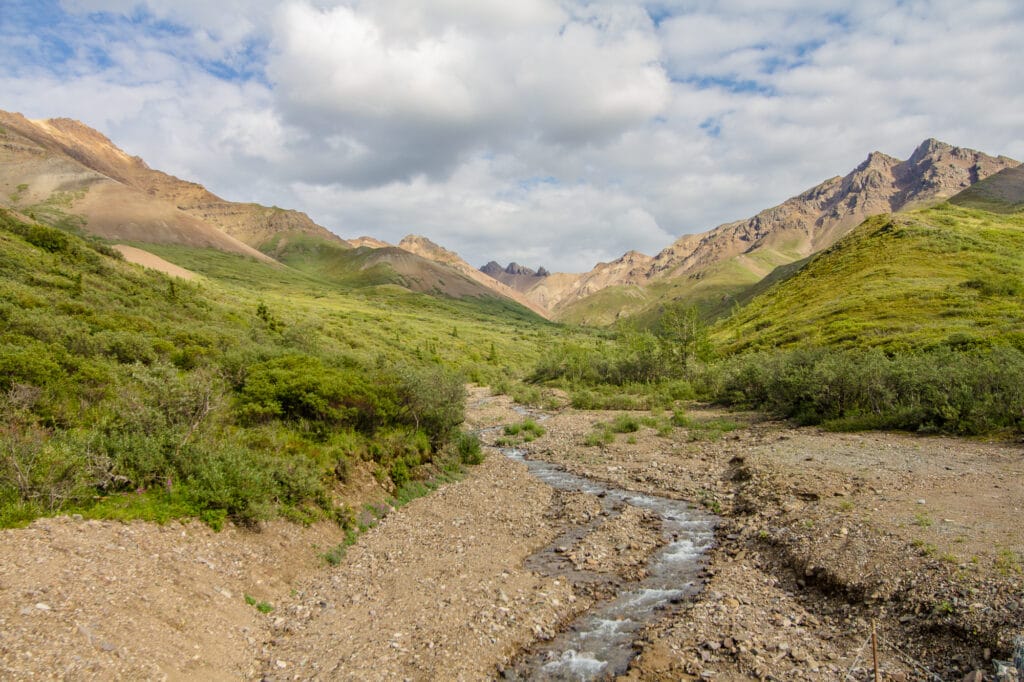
(1009, 563)
(261, 606)
(336, 555)
(625, 423)
(709, 500)
(923, 520)
(524, 432)
(601, 435)
(704, 430)
(925, 548)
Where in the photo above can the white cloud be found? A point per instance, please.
(550, 132)
(401, 102)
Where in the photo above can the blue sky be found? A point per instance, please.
(554, 133)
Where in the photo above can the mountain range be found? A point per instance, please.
(715, 267)
(65, 173)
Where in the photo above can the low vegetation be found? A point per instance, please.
(939, 391)
(928, 339)
(256, 390)
(252, 392)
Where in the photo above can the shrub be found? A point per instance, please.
(528, 430)
(469, 449)
(601, 435)
(941, 390)
(625, 423)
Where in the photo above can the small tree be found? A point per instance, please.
(683, 335)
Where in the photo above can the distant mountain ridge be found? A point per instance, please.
(711, 267)
(250, 223)
(62, 171)
(425, 248)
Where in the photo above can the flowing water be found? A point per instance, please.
(599, 644)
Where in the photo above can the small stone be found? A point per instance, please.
(921, 502)
(43, 607)
(975, 676)
(282, 664)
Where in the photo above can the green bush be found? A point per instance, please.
(528, 429)
(469, 449)
(941, 390)
(625, 423)
(601, 435)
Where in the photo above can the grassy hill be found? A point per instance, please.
(1000, 193)
(943, 276)
(913, 321)
(251, 391)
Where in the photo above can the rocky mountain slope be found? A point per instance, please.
(249, 223)
(715, 265)
(421, 246)
(45, 174)
(519, 277)
(999, 193)
(63, 172)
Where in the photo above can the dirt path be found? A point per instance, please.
(821, 534)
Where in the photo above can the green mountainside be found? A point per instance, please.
(251, 391)
(946, 275)
(1000, 193)
(715, 269)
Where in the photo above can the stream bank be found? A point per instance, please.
(820, 534)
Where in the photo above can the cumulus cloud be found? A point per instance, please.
(550, 132)
(393, 101)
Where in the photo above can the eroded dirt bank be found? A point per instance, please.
(821, 533)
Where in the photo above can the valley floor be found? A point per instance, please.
(820, 534)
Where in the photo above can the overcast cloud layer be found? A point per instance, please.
(550, 133)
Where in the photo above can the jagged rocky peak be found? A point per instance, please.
(492, 268)
(496, 270)
(422, 246)
(929, 147)
(517, 269)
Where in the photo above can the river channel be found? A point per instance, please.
(599, 644)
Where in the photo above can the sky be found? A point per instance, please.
(555, 133)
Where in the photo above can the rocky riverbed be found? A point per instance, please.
(820, 535)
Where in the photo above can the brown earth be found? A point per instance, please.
(153, 262)
(821, 534)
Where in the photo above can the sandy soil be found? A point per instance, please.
(821, 535)
(154, 262)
